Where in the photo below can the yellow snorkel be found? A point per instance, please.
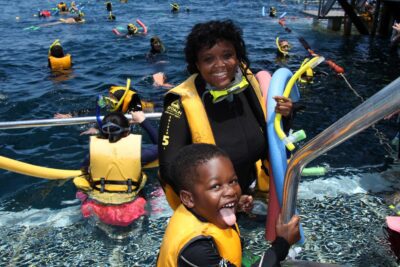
(309, 74)
(285, 53)
(175, 6)
(128, 85)
(56, 42)
(277, 123)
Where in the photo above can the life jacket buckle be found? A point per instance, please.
(129, 185)
(102, 184)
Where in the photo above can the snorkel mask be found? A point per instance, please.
(283, 52)
(237, 86)
(113, 129)
(132, 28)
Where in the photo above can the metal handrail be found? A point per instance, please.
(61, 122)
(383, 103)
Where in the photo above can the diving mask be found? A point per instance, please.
(237, 86)
(112, 128)
(111, 102)
(106, 101)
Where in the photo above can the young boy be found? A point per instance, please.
(203, 229)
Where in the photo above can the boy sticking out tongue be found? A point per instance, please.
(203, 229)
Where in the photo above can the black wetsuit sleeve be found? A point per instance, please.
(174, 134)
(201, 252)
(275, 254)
(149, 153)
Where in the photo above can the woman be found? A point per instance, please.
(220, 103)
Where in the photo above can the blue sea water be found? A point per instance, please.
(40, 224)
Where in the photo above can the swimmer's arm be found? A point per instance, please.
(50, 24)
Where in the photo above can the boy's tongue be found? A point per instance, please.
(228, 215)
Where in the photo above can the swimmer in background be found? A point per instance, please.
(111, 16)
(73, 8)
(272, 11)
(62, 7)
(174, 7)
(57, 60)
(283, 47)
(156, 45)
(73, 20)
(156, 48)
(134, 30)
(44, 14)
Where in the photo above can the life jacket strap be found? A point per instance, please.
(129, 183)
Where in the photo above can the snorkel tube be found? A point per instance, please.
(128, 85)
(56, 42)
(277, 123)
(284, 53)
(98, 119)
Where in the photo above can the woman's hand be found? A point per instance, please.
(137, 117)
(284, 105)
(290, 231)
(245, 203)
(62, 116)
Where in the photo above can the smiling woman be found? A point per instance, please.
(220, 103)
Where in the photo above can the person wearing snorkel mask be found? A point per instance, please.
(119, 99)
(283, 48)
(220, 103)
(113, 180)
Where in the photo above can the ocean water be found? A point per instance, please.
(343, 213)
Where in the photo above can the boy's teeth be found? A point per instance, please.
(229, 205)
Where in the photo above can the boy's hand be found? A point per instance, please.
(284, 105)
(137, 117)
(245, 203)
(290, 231)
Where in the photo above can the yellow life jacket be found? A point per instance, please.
(183, 228)
(115, 170)
(62, 63)
(200, 128)
(62, 7)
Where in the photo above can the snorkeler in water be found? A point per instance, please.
(283, 47)
(174, 7)
(74, 20)
(133, 30)
(57, 60)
